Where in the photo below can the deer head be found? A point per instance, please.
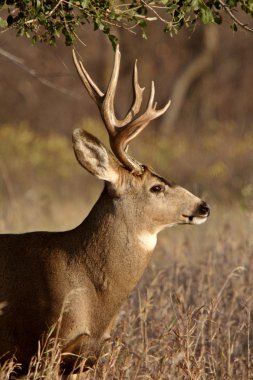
(147, 198)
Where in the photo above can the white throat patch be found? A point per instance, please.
(147, 241)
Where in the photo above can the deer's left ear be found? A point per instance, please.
(94, 156)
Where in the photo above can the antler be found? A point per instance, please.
(121, 132)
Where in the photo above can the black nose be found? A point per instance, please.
(204, 209)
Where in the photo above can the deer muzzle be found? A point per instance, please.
(200, 215)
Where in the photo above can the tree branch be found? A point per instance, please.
(20, 63)
(195, 70)
(231, 14)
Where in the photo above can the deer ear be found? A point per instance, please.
(94, 156)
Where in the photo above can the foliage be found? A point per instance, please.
(45, 20)
(30, 167)
(45, 165)
(40, 170)
(35, 152)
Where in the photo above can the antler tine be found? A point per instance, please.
(151, 96)
(107, 107)
(137, 100)
(138, 91)
(133, 129)
(137, 126)
(107, 110)
(95, 93)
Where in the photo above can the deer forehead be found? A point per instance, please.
(147, 179)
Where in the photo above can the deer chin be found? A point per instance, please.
(198, 220)
(194, 219)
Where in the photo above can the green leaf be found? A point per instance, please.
(85, 3)
(34, 39)
(195, 5)
(206, 15)
(232, 3)
(234, 27)
(218, 19)
(3, 23)
(114, 41)
(10, 20)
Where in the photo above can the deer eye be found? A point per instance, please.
(156, 189)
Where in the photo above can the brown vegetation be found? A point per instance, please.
(190, 318)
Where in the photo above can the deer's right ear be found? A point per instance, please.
(94, 156)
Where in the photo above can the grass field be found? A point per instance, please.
(190, 316)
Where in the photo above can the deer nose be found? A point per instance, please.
(204, 209)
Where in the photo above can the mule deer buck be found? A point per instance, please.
(97, 264)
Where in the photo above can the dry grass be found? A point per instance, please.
(191, 316)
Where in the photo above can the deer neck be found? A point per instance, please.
(115, 251)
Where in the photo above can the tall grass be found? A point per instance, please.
(189, 318)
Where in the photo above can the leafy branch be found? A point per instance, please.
(47, 20)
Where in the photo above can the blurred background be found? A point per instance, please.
(195, 301)
(204, 141)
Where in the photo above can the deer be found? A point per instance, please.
(94, 267)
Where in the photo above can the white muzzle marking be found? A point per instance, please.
(198, 220)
